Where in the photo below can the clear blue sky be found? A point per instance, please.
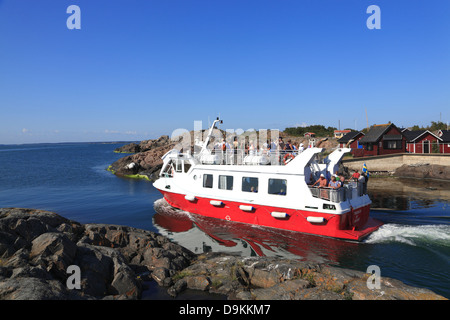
(141, 68)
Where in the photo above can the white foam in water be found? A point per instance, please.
(412, 235)
(163, 205)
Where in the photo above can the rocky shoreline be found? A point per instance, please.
(423, 171)
(145, 161)
(40, 253)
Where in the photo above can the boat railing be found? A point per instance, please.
(330, 194)
(351, 190)
(248, 157)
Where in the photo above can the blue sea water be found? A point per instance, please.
(71, 179)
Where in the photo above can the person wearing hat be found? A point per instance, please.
(322, 181)
(301, 148)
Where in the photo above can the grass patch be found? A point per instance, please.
(111, 170)
(181, 275)
(137, 176)
(131, 176)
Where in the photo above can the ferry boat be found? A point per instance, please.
(269, 188)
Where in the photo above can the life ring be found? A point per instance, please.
(286, 156)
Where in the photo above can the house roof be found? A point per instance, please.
(342, 131)
(411, 136)
(445, 135)
(350, 135)
(375, 133)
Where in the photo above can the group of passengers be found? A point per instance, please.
(337, 181)
(252, 147)
(289, 146)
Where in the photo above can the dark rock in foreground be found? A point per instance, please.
(38, 248)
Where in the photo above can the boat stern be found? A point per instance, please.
(361, 233)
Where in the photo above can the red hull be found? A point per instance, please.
(353, 225)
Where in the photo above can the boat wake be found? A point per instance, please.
(412, 235)
(161, 205)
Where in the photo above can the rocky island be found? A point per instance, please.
(39, 248)
(145, 160)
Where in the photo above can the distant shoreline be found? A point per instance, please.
(79, 142)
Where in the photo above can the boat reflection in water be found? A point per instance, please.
(202, 234)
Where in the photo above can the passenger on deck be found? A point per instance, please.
(321, 181)
(365, 180)
(294, 149)
(216, 147)
(235, 143)
(301, 148)
(265, 147)
(288, 146)
(252, 149)
(273, 145)
(334, 184)
(280, 143)
(223, 145)
(341, 180)
(356, 175)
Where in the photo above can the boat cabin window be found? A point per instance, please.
(179, 165)
(169, 169)
(226, 182)
(249, 184)
(207, 181)
(187, 166)
(277, 186)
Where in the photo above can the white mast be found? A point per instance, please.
(205, 143)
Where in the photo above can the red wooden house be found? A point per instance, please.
(422, 141)
(351, 140)
(383, 139)
(444, 146)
